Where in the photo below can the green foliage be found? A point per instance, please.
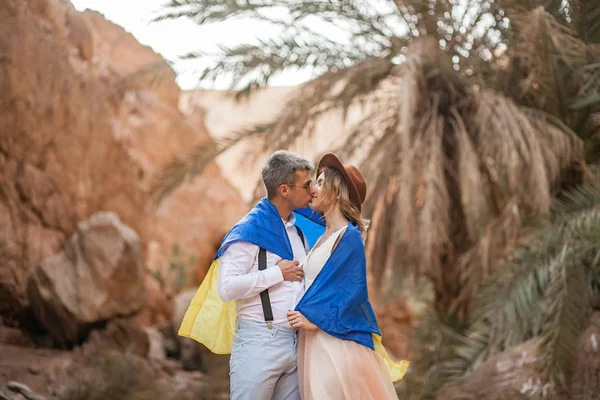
(545, 290)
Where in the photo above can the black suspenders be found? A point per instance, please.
(264, 295)
(301, 237)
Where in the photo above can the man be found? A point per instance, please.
(263, 287)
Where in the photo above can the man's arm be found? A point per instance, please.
(235, 279)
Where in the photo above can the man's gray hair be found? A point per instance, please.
(280, 168)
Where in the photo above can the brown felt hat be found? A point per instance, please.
(354, 179)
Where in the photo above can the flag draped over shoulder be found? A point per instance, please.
(338, 303)
(311, 223)
(208, 319)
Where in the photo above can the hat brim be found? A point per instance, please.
(331, 160)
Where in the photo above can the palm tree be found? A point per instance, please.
(465, 129)
(545, 290)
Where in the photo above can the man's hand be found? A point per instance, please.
(290, 270)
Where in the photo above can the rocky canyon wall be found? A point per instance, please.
(87, 118)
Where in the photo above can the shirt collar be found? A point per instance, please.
(289, 222)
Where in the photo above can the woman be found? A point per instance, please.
(340, 355)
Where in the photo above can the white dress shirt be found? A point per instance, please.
(240, 279)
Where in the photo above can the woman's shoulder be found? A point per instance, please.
(353, 237)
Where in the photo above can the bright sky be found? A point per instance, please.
(175, 38)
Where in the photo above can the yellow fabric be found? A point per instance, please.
(397, 368)
(209, 320)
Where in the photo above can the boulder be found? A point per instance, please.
(98, 276)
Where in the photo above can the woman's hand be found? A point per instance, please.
(298, 321)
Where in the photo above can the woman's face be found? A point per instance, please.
(318, 200)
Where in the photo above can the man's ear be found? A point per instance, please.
(284, 191)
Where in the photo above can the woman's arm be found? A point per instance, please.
(299, 321)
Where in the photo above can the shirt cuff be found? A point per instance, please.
(273, 276)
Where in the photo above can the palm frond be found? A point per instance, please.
(368, 28)
(579, 198)
(544, 62)
(358, 15)
(568, 295)
(254, 65)
(542, 289)
(585, 16)
(474, 266)
(442, 157)
(552, 64)
(498, 320)
(333, 91)
(299, 45)
(586, 105)
(207, 11)
(587, 101)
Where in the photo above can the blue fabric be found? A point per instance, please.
(315, 217)
(337, 301)
(263, 227)
(311, 223)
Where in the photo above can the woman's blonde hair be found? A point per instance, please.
(335, 189)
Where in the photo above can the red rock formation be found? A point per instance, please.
(84, 126)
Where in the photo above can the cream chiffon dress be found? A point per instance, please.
(334, 369)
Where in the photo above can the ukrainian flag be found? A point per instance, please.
(338, 302)
(208, 319)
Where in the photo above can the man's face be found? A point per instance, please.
(301, 191)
